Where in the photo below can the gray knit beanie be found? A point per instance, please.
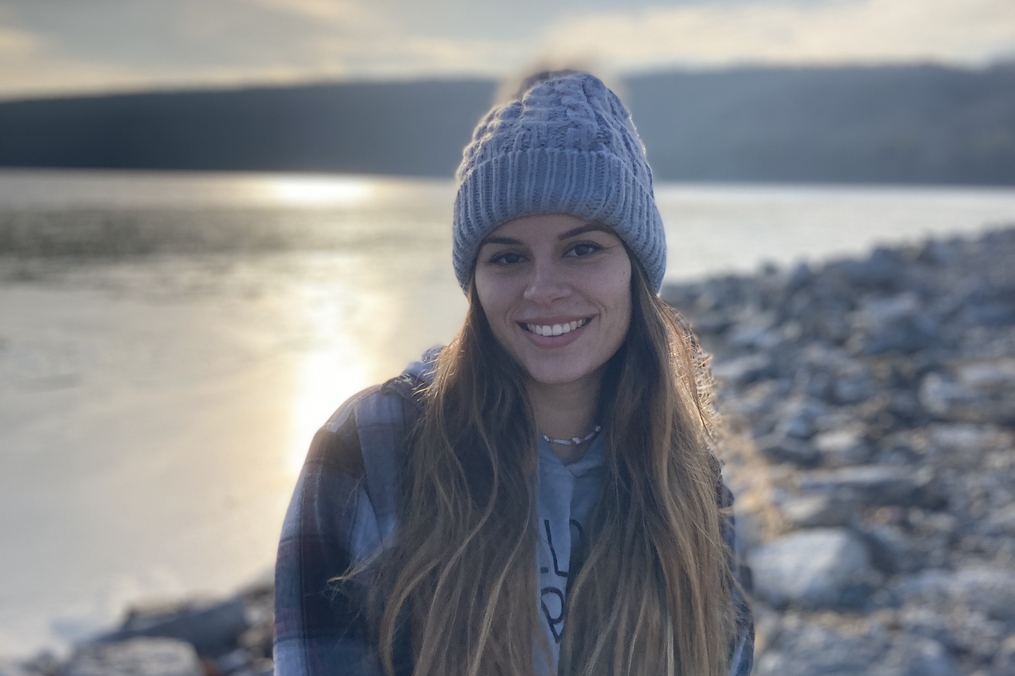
(568, 145)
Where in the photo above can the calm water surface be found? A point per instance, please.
(170, 342)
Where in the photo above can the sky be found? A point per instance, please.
(54, 47)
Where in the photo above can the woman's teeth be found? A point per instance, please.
(556, 329)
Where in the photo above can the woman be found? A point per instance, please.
(539, 496)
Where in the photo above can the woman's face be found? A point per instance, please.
(556, 291)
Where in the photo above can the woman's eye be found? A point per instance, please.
(506, 258)
(583, 249)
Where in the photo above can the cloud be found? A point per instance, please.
(14, 42)
(102, 45)
(186, 43)
(963, 31)
(322, 10)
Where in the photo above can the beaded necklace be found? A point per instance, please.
(573, 441)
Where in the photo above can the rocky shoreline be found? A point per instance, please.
(871, 404)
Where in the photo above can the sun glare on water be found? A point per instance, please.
(327, 379)
(336, 365)
(320, 191)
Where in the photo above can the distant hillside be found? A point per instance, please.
(905, 124)
(412, 128)
(917, 124)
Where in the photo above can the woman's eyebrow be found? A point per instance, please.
(588, 227)
(500, 240)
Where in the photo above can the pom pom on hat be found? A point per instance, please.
(568, 145)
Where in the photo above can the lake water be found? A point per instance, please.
(170, 342)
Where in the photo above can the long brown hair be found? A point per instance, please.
(652, 596)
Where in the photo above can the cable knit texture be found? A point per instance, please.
(567, 146)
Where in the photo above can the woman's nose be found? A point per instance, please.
(547, 283)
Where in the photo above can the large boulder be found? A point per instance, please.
(818, 568)
(980, 391)
(990, 590)
(874, 485)
(916, 656)
(1004, 660)
(135, 657)
(207, 625)
(810, 649)
(743, 370)
(817, 511)
(11, 668)
(841, 447)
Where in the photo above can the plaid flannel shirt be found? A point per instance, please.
(343, 507)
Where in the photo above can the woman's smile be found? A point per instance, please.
(552, 328)
(556, 291)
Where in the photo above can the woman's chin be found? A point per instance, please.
(560, 375)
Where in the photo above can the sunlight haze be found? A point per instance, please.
(61, 47)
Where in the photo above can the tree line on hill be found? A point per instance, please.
(885, 124)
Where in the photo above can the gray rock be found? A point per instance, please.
(813, 568)
(263, 667)
(991, 377)
(883, 268)
(135, 657)
(44, 663)
(753, 332)
(947, 399)
(833, 327)
(1001, 522)
(799, 277)
(207, 625)
(842, 447)
(712, 323)
(958, 437)
(884, 310)
(892, 550)
(938, 253)
(989, 590)
(974, 634)
(11, 668)
(916, 656)
(767, 628)
(817, 511)
(896, 323)
(809, 650)
(852, 390)
(907, 335)
(798, 417)
(743, 370)
(232, 661)
(968, 633)
(782, 448)
(906, 405)
(926, 622)
(1004, 660)
(978, 392)
(872, 484)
